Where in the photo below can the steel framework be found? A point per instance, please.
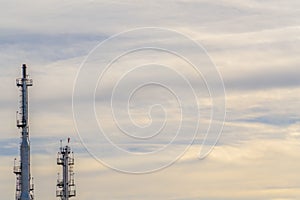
(65, 187)
(24, 186)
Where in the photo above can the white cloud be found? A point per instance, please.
(255, 46)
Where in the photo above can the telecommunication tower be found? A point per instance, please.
(65, 187)
(24, 186)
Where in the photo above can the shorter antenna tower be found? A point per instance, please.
(65, 187)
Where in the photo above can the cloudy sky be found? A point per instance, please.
(151, 100)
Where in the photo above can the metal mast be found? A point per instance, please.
(65, 187)
(24, 188)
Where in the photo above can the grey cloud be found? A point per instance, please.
(279, 120)
(283, 77)
(45, 48)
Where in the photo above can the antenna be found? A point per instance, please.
(24, 188)
(65, 187)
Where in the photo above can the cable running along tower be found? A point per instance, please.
(24, 186)
(65, 187)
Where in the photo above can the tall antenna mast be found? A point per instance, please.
(24, 188)
(65, 187)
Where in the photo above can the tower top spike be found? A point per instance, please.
(24, 70)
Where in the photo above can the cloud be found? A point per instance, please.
(245, 166)
(254, 45)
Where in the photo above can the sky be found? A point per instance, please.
(171, 99)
